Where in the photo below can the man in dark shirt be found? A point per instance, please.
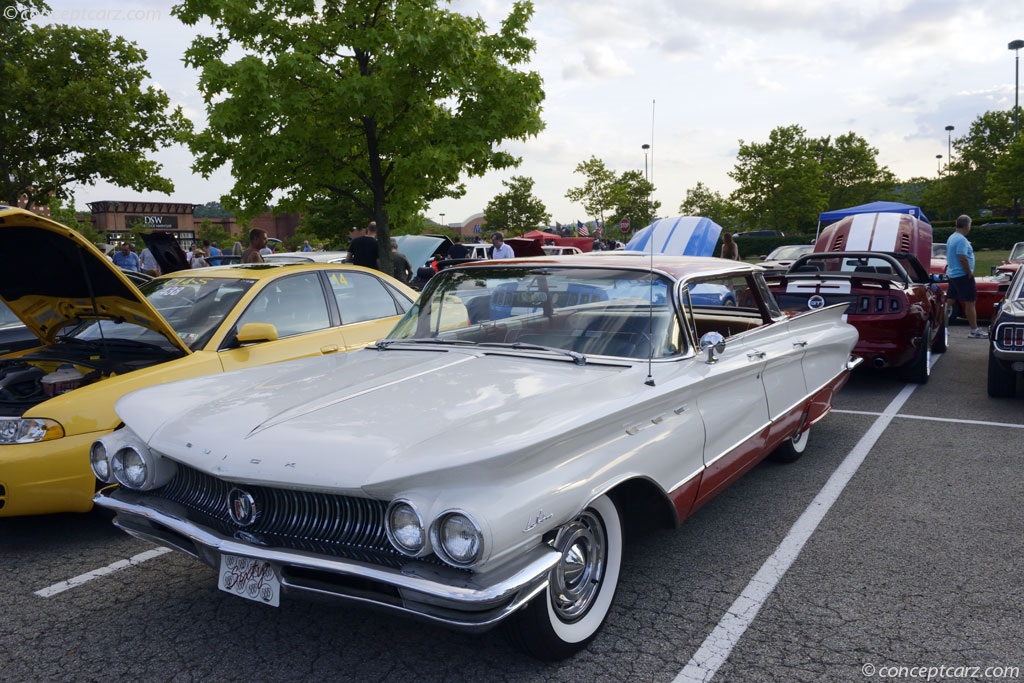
(362, 248)
(458, 250)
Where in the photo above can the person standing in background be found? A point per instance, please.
(257, 242)
(362, 247)
(960, 270)
(730, 249)
(125, 258)
(498, 247)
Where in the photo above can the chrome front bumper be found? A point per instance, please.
(462, 600)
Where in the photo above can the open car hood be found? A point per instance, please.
(167, 251)
(51, 276)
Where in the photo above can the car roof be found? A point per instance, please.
(680, 267)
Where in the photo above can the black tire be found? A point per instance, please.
(941, 343)
(792, 448)
(1002, 382)
(919, 367)
(565, 617)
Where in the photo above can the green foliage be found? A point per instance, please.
(375, 105)
(67, 215)
(1005, 184)
(779, 181)
(850, 171)
(211, 210)
(516, 211)
(79, 112)
(215, 232)
(702, 201)
(597, 195)
(975, 155)
(632, 198)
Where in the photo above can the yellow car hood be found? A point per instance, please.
(51, 276)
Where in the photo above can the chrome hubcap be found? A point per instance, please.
(576, 579)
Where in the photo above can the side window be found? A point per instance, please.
(294, 305)
(361, 297)
(729, 305)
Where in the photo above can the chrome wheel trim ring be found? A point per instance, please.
(576, 579)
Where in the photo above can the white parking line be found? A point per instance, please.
(979, 423)
(717, 647)
(56, 588)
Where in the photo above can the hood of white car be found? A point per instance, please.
(369, 417)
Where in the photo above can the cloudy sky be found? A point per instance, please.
(690, 77)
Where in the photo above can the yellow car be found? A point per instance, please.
(102, 337)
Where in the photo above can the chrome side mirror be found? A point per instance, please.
(712, 343)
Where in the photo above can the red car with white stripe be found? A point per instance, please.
(877, 264)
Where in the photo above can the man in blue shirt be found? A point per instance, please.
(960, 270)
(126, 259)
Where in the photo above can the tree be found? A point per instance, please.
(517, 210)
(779, 181)
(1005, 185)
(377, 104)
(598, 191)
(632, 198)
(850, 171)
(78, 113)
(211, 210)
(67, 215)
(702, 201)
(974, 156)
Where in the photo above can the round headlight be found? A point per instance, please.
(130, 468)
(458, 539)
(100, 463)
(405, 528)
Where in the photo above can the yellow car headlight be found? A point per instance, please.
(29, 429)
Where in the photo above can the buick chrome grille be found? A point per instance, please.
(319, 522)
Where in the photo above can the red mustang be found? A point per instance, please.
(991, 288)
(878, 265)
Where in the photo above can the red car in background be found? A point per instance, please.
(877, 265)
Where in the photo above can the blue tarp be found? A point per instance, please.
(678, 236)
(873, 207)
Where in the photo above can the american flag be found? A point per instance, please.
(582, 229)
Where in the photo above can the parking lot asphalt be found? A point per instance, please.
(916, 566)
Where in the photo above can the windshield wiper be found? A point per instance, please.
(577, 357)
(385, 343)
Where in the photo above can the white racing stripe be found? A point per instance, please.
(57, 588)
(717, 647)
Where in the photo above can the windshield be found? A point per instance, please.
(938, 250)
(598, 311)
(193, 306)
(1017, 253)
(793, 251)
(841, 264)
(7, 316)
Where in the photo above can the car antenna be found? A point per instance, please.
(650, 315)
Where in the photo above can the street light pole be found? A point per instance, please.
(949, 147)
(645, 147)
(442, 220)
(1016, 45)
(938, 164)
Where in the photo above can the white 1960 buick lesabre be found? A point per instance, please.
(479, 465)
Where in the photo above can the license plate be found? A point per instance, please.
(249, 578)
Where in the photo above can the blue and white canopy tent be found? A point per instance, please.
(678, 236)
(872, 207)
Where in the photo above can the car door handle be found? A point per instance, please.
(756, 355)
(799, 344)
(333, 348)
